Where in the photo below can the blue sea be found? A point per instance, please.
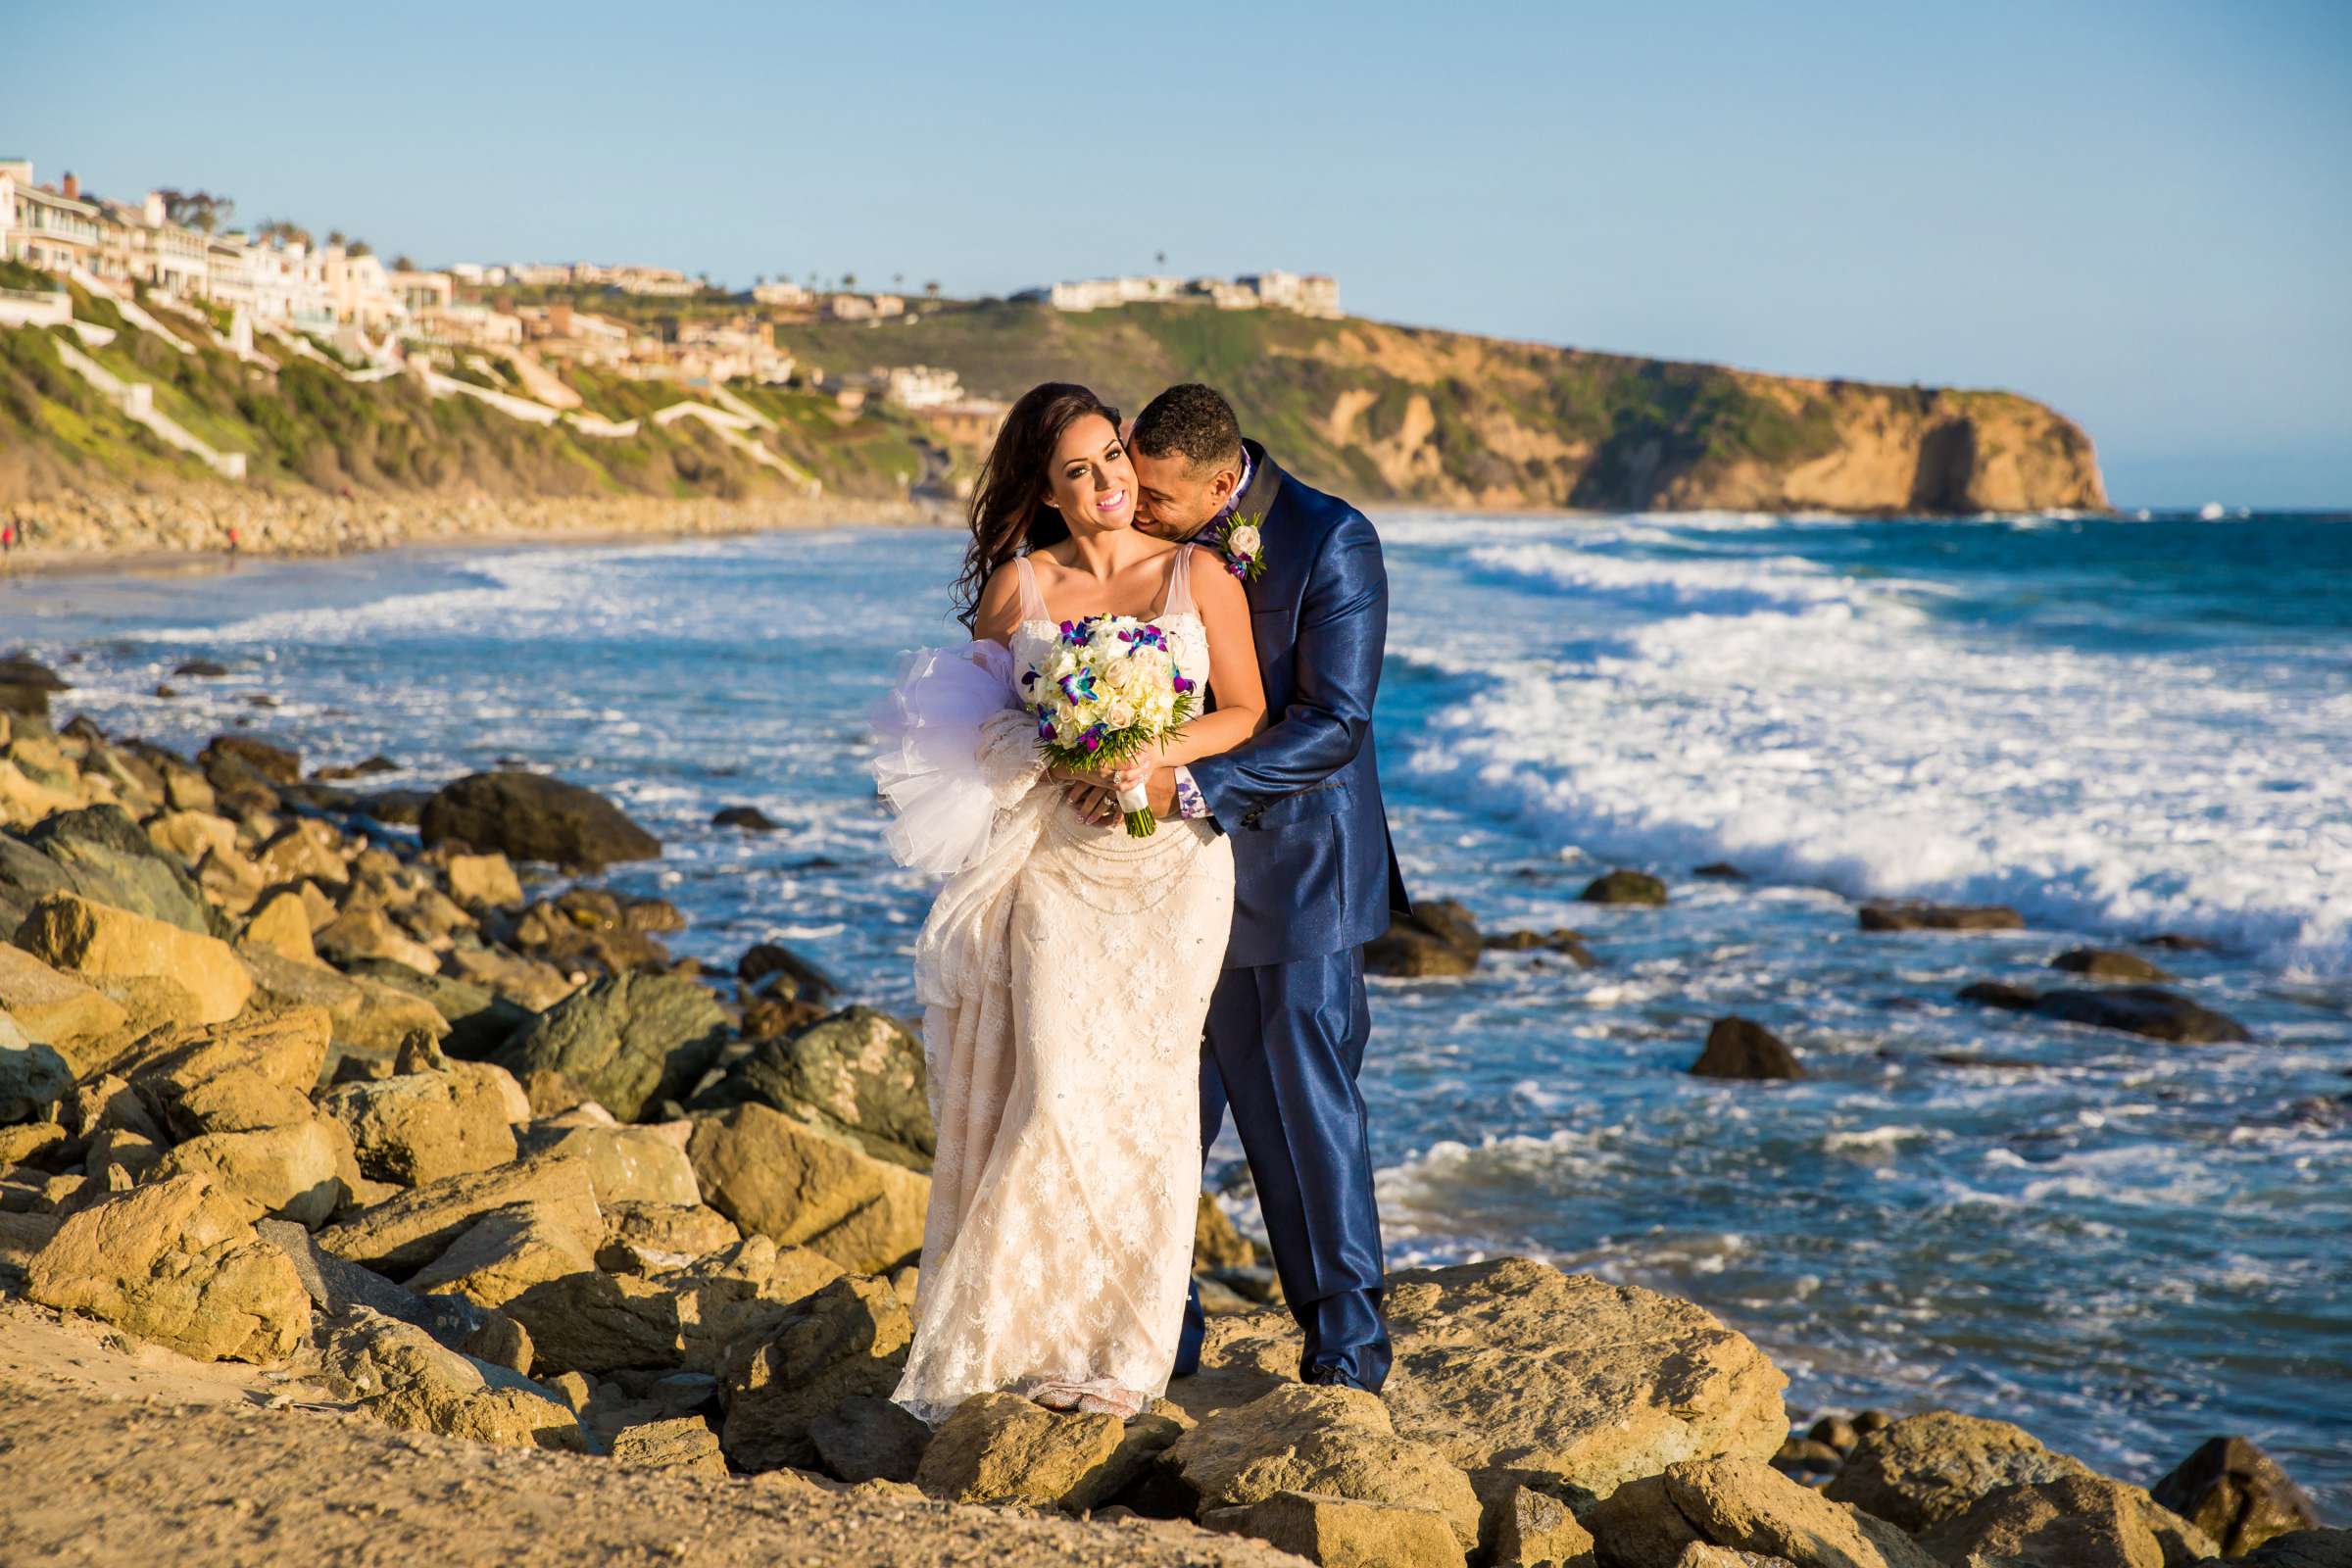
(2120, 727)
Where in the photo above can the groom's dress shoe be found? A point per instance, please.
(1324, 1375)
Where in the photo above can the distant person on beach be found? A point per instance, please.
(1071, 969)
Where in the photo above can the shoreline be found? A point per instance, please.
(153, 536)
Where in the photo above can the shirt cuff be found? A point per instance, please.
(1189, 801)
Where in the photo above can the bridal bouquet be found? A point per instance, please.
(1109, 689)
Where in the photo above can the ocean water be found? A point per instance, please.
(2121, 726)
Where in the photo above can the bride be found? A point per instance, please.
(1066, 970)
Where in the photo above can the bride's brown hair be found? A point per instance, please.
(1009, 515)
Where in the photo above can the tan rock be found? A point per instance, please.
(483, 879)
(305, 849)
(1331, 1441)
(398, 1375)
(629, 1164)
(19, 1145)
(801, 1186)
(367, 1014)
(290, 1172)
(237, 1099)
(367, 934)
(1345, 1532)
(281, 924)
(151, 1001)
(419, 1127)
(1000, 1448)
(404, 1233)
(848, 1339)
(1532, 1528)
(1512, 1364)
(1928, 1468)
(178, 1263)
(2083, 1521)
(190, 834)
(503, 1254)
(674, 1230)
(1752, 1508)
(683, 1442)
(287, 1047)
(74, 933)
(230, 880)
(54, 1008)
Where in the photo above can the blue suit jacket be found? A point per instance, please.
(1314, 870)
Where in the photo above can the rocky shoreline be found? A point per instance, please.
(357, 1117)
(103, 530)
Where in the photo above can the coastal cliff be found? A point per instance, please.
(136, 402)
(1400, 413)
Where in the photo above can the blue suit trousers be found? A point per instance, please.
(1285, 1043)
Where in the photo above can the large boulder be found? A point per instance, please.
(1438, 939)
(408, 1231)
(630, 1040)
(480, 1020)
(1345, 1532)
(179, 1264)
(254, 1071)
(845, 1340)
(106, 858)
(1000, 1448)
(1330, 1440)
(418, 1127)
(867, 1437)
(1924, 1469)
(33, 1077)
(1625, 887)
(2078, 1521)
(682, 1442)
(52, 1007)
(801, 1186)
(91, 939)
(26, 684)
(1916, 916)
(1741, 1048)
(529, 816)
(400, 1375)
(482, 880)
(1752, 1508)
(1563, 1381)
(2236, 1493)
(292, 1172)
(859, 1072)
(2301, 1549)
(627, 1164)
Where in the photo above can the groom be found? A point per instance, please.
(1315, 876)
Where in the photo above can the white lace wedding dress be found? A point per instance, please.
(1065, 971)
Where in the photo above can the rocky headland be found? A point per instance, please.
(373, 1182)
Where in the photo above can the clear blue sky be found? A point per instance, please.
(2141, 214)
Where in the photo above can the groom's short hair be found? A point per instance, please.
(1192, 420)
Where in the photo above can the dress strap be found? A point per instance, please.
(1180, 583)
(1033, 603)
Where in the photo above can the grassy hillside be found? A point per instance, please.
(302, 424)
(1391, 412)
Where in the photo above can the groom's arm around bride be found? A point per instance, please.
(1315, 871)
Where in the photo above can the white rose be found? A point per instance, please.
(1120, 714)
(1243, 541)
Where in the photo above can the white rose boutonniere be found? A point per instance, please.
(1242, 545)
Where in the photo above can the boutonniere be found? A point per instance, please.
(1242, 547)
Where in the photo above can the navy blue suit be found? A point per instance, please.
(1315, 877)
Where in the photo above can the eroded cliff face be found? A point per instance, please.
(1464, 421)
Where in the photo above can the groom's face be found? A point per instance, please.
(1177, 496)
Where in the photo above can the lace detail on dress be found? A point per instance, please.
(1065, 976)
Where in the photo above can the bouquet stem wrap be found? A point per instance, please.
(1141, 823)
